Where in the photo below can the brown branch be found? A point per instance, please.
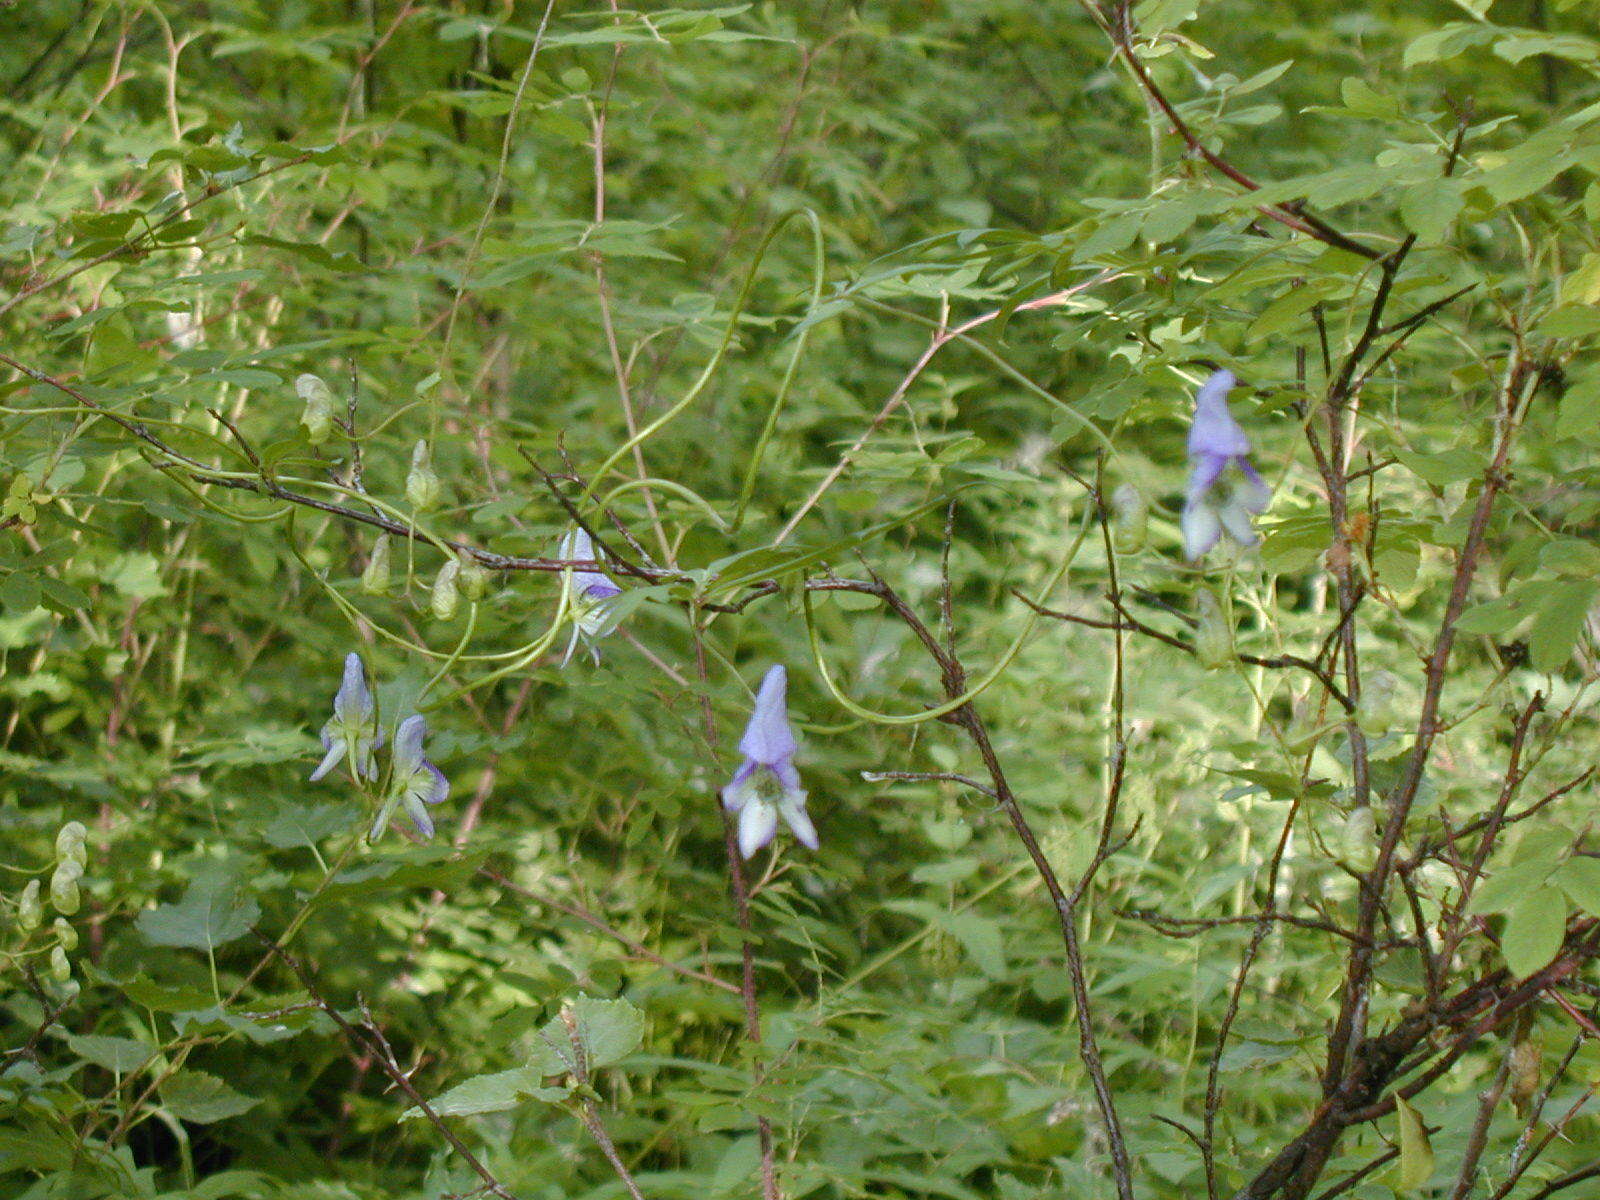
(1129, 623)
(370, 1037)
(1293, 216)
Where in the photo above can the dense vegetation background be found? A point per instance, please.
(863, 340)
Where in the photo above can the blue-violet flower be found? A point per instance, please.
(1215, 443)
(592, 593)
(415, 782)
(353, 729)
(766, 785)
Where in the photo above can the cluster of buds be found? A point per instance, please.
(71, 858)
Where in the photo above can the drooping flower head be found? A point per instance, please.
(766, 785)
(353, 729)
(414, 782)
(592, 592)
(1215, 443)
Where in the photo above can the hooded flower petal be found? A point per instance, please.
(592, 593)
(766, 785)
(578, 546)
(1214, 432)
(353, 730)
(767, 739)
(352, 703)
(1216, 442)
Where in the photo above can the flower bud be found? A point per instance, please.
(64, 887)
(445, 593)
(1129, 519)
(318, 414)
(60, 968)
(66, 935)
(474, 579)
(1376, 710)
(69, 842)
(375, 579)
(1213, 639)
(29, 911)
(1358, 838)
(422, 485)
(1527, 1056)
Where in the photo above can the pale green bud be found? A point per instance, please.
(1213, 639)
(29, 911)
(1130, 518)
(375, 579)
(64, 887)
(65, 933)
(1358, 838)
(1376, 709)
(474, 579)
(445, 592)
(60, 968)
(422, 485)
(318, 414)
(69, 842)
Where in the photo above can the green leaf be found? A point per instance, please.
(981, 938)
(1508, 885)
(1558, 621)
(1582, 284)
(306, 824)
(1534, 930)
(1416, 1152)
(137, 575)
(212, 913)
(202, 1098)
(118, 1054)
(1579, 878)
(20, 593)
(607, 1030)
(500, 1091)
(1430, 208)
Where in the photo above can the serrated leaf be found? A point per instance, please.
(212, 913)
(607, 1030)
(1563, 606)
(118, 1054)
(202, 1098)
(499, 1091)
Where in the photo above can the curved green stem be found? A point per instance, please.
(973, 692)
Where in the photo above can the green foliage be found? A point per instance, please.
(863, 337)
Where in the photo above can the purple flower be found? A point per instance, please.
(766, 785)
(592, 593)
(414, 782)
(1215, 443)
(353, 729)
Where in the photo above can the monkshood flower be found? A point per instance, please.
(353, 729)
(592, 593)
(414, 782)
(1215, 443)
(766, 785)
